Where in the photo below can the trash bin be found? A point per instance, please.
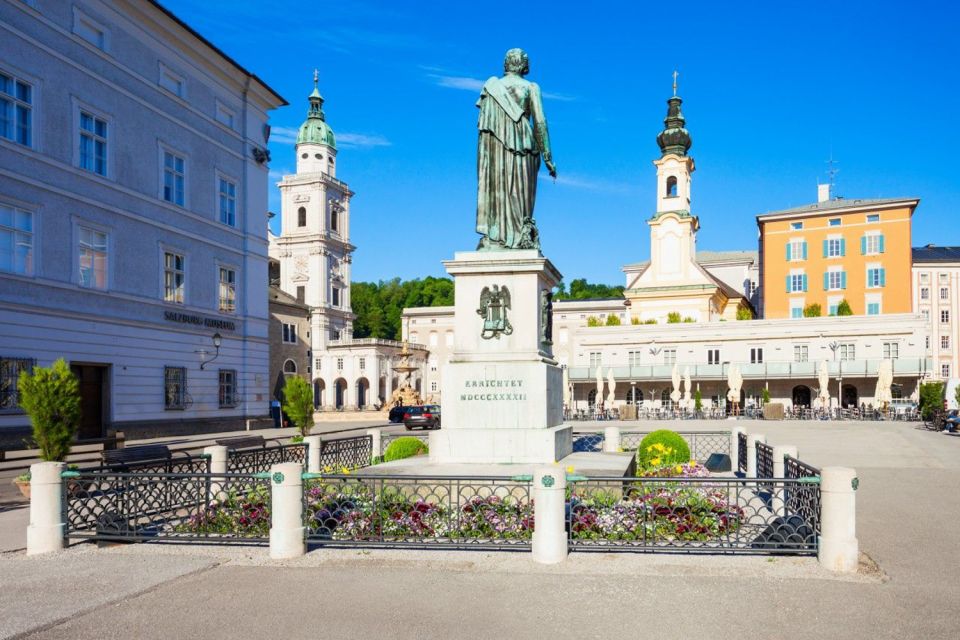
(275, 413)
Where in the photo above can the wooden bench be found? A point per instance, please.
(131, 455)
(242, 442)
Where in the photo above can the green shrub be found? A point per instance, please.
(405, 447)
(593, 321)
(812, 310)
(697, 401)
(673, 317)
(635, 320)
(613, 320)
(765, 395)
(661, 448)
(843, 308)
(51, 397)
(931, 398)
(298, 403)
(650, 321)
(744, 314)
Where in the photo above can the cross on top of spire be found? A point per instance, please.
(316, 78)
(675, 74)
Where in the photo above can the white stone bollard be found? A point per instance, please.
(611, 439)
(735, 447)
(314, 446)
(286, 511)
(377, 442)
(218, 466)
(47, 530)
(752, 440)
(779, 500)
(838, 548)
(549, 515)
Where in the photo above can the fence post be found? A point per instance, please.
(838, 548)
(377, 443)
(735, 446)
(47, 530)
(314, 446)
(218, 456)
(611, 439)
(549, 515)
(779, 501)
(752, 440)
(286, 511)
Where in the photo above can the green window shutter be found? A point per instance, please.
(804, 249)
(863, 245)
(843, 279)
(843, 246)
(789, 253)
(788, 284)
(826, 281)
(804, 282)
(881, 244)
(825, 249)
(883, 277)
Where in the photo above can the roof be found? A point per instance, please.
(839, 204)
(933, 253)
(276, 295)
(217, 50)
(710, 257)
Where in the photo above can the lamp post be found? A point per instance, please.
(217, 339)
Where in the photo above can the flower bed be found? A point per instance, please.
(244, 514)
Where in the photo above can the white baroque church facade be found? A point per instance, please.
(314, 256)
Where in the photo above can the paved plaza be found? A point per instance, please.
(907, 518)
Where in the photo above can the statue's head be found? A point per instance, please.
(516, 61)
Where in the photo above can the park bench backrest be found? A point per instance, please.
(242, 442)
(136, 454)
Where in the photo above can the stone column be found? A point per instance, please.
(735, 447)
(314, 446)
(218, 456)
(838, 548)
(47, 530)
(549, 514)
(611, 439)
(286, 511)
(377, 442)
(779, 501)
(752, 440)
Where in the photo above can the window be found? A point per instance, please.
(316, 364)
(876, 277)
(945, 316)
(339, 364)
(925, 314)
(834, 280)
(335, 296)
(595, 359)
(448, 338)
(944, 293)
(335, 335)
(10, 369)
(228, 388)
(927, 346)
(173, 277)
(93, 143)
(834, 248)
(289, 367)
(756, 355)
(672, 187)
(713, 356)
(796, 282)
(89, 30)
(834, 222)
(796, 250)
(801, 353)
(301, 294)
(174, 172)
(289, 333)
(16, 110)
(873, 308)
(433, 364)
(670, 356)
(891, 350)
(945, 371)
(228, 290)
(873, 217)
(434, 339)
(224, 115)
(363, 364)
(945, 343)
(228, 201)
(334, 219)
(796, 309)
(16, 241)
(633, 358)
(796, 226)
(171, 81)
(943, 278)
(174, 388)
(924, 293)
(433, 387)
(871, 244)
(924, 278)
(93, 258)
(848, 351)
(302, 217)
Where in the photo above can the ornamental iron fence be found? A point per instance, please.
(260, 459)
(474, 512)
(764, 460)
(693, 515)
(180, 462)
(807, 495)
(585, 441)
(742, 452)
(149, 505)
(702, 443)
(346, 453)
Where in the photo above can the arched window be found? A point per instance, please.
(302, 217)
(665, 401)
(289, 366)
(672, 187)
(334, 220)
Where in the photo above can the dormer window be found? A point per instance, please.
(672, 187)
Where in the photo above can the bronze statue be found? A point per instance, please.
(513, 136)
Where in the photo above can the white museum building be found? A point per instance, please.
(133, 193)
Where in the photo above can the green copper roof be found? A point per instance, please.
(315, 129)
(674, 138)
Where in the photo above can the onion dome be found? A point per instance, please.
(315, 129)
(674, 138)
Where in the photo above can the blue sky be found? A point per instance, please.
(770, 91)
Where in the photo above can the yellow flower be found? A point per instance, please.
(693, 463)
(345, 471)
(570, 469)
(679, 469)
(655, 461)
(328, 469)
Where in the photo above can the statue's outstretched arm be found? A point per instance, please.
(540, 128)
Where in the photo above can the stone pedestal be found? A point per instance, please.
(502, 389)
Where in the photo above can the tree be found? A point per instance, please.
(613, 320)
(673, 317)
(298, 403)
(697, 401)
(378, 306)
(765, 396)
(744, 313)
(931, 398)
(580, 289)
(843, 308)
(51, 397)
(812, 310)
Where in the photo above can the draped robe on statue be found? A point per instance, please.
(508, 159)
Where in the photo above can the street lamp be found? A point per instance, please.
(833, 347)
(217, 340)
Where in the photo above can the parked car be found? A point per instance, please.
(396, 413)
(425, 417)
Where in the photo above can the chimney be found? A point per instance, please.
(823, 193)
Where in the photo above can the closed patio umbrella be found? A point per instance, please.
(675, 375)
(566, 388)
(823, 377)
(687, 389)
(599, 399)
(882, 394)
(611, 386)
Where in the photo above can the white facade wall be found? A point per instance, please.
(215, 124)
(929, 282)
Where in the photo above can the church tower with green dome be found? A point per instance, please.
(316, 144)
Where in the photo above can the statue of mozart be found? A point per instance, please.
(512, 137)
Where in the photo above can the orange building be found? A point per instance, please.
(835, 250)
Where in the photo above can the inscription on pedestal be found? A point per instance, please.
(493, 390)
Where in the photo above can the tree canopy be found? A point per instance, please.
(580, 289)
(379, 305)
